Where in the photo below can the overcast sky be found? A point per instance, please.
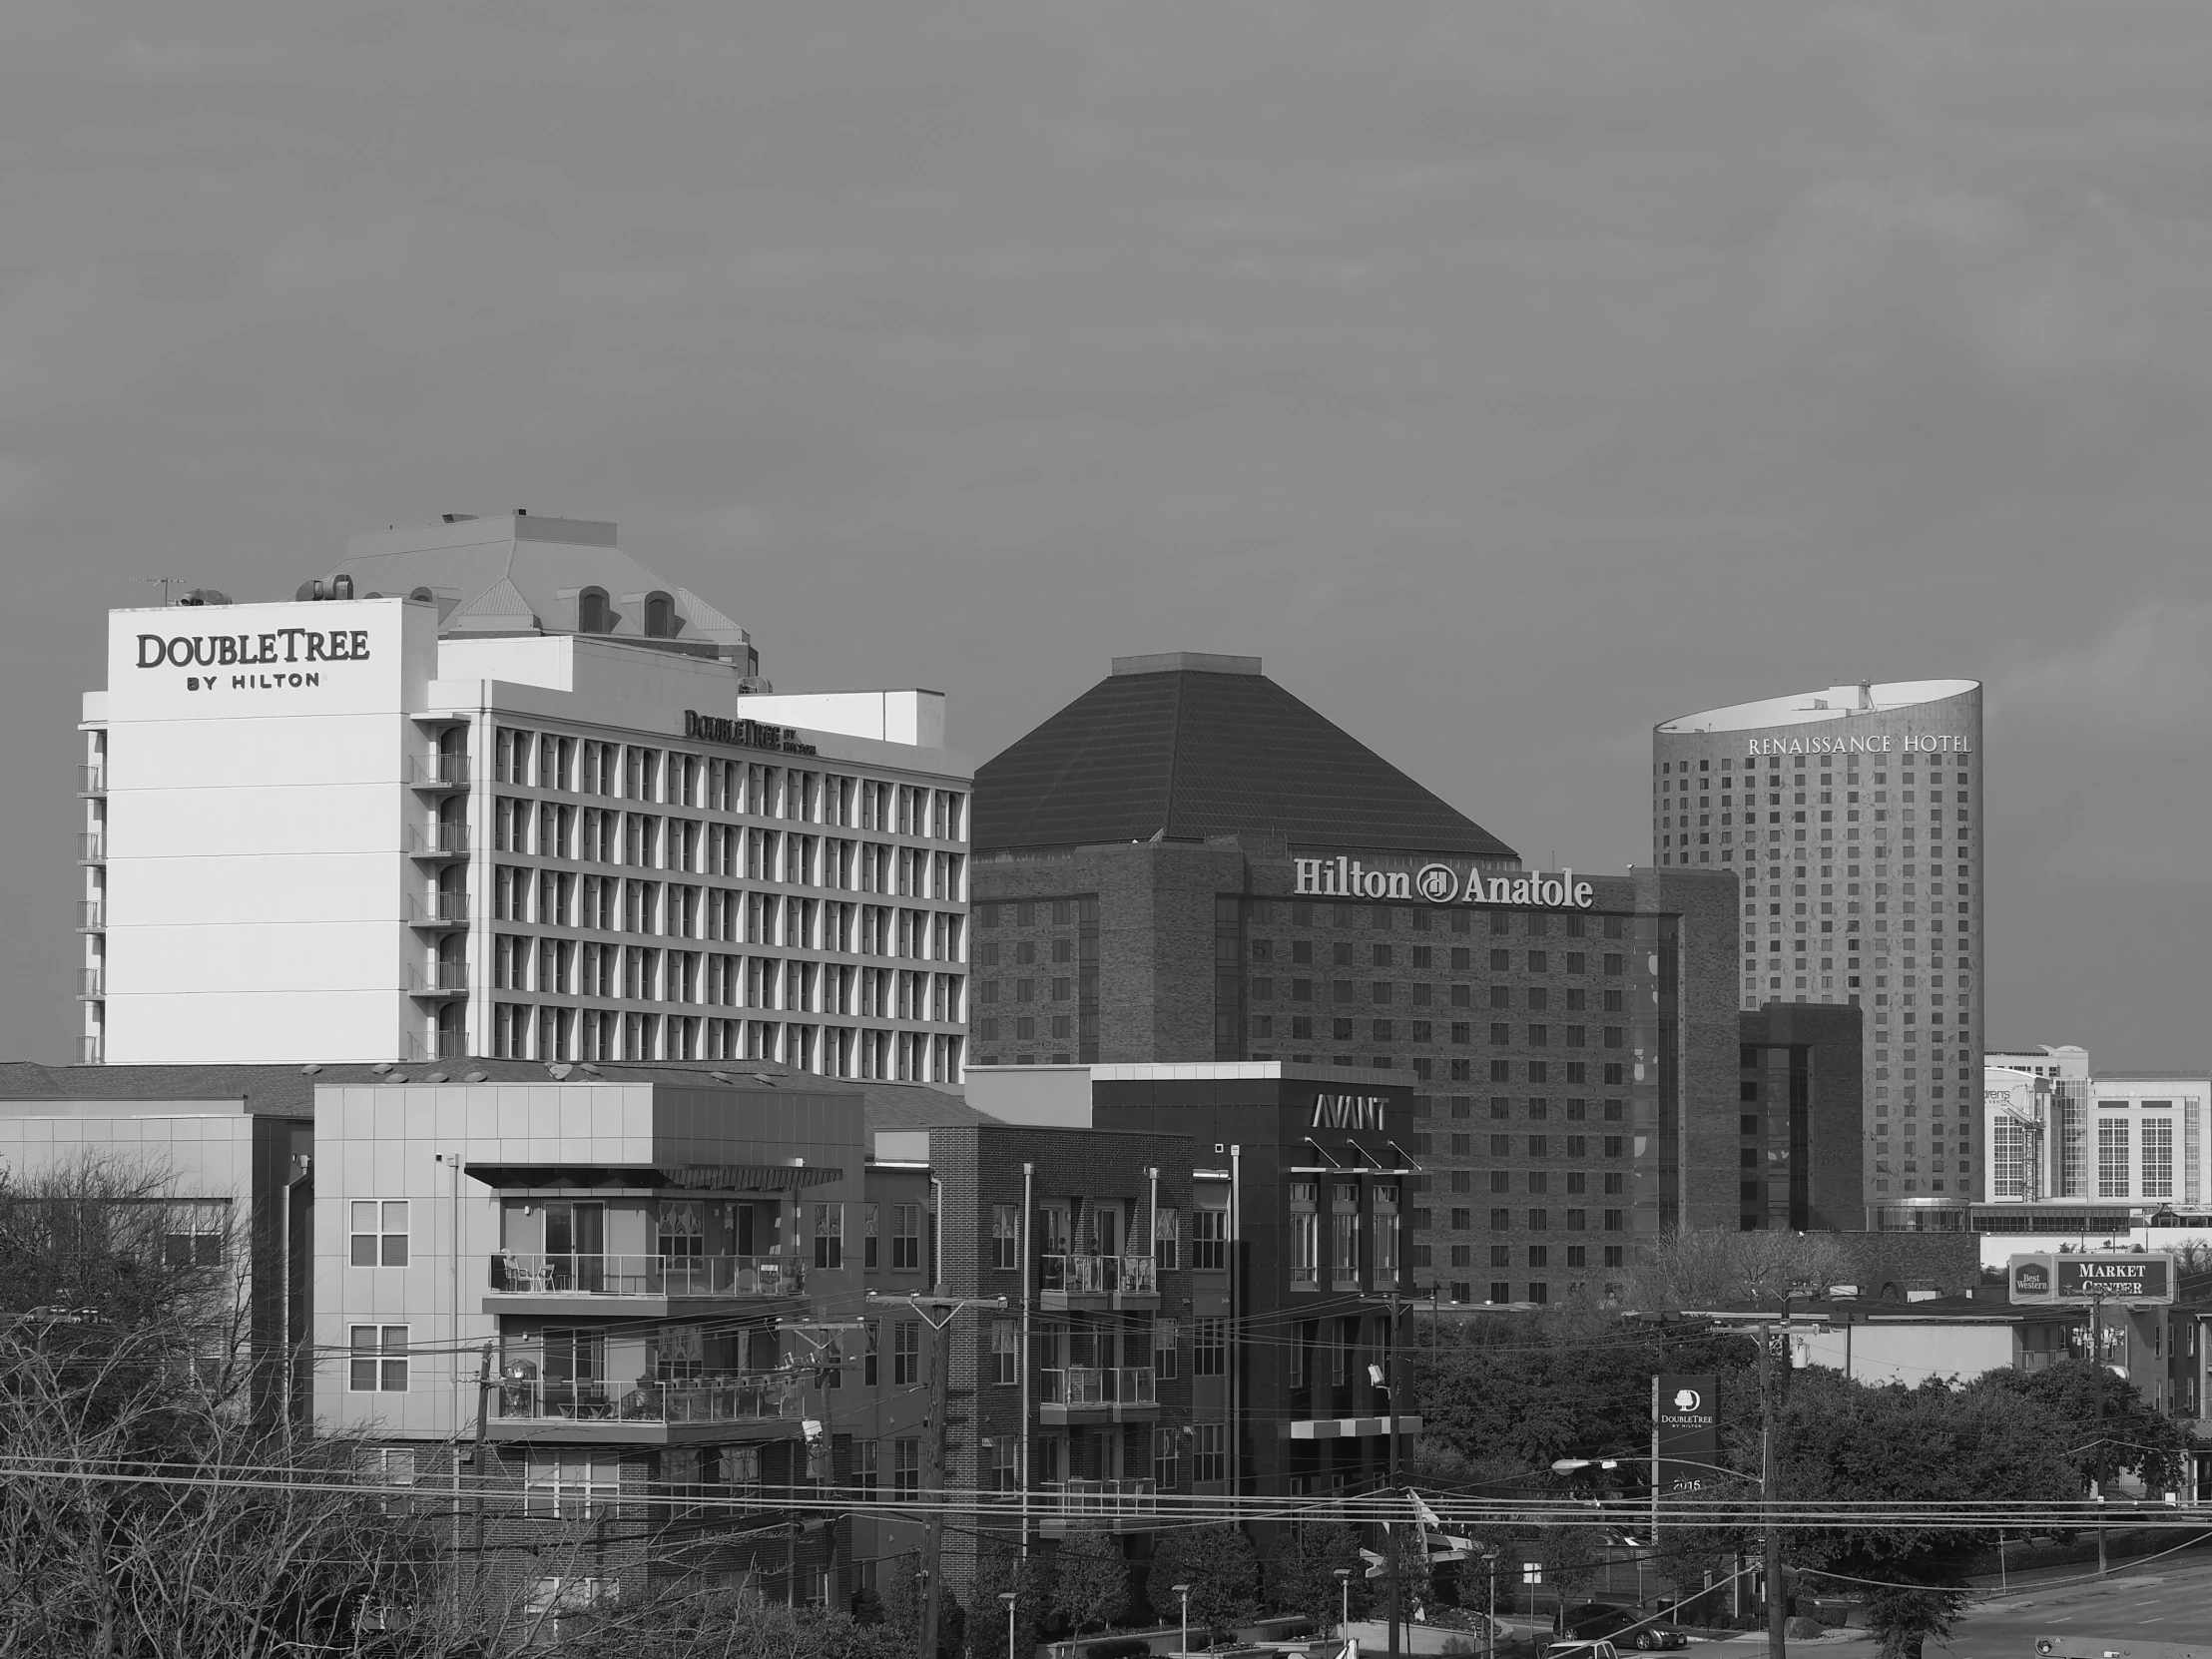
(1510, 376)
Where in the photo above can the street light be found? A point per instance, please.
(1184, 1592)
(1343, 1598)
(1008, 1596)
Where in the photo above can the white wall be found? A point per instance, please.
(911, 717)
(255, 861)
(1909, 1354)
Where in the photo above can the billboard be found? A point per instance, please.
(2078, 1281)
(1686, 1413)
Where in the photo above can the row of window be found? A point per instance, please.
(1501, 1146)
(1300, 1026)
(640, 973)
(1382, 993)
(1539, 1256)
(555, 764)
(1536, 1107)
(1502, 1220)
(607, 904)
(1424, 957)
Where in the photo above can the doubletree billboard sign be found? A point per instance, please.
(1685, 1413)
(2077, 1280)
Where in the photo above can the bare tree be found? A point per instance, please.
(1702, 1268)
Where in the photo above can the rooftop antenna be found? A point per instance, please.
(167, 583)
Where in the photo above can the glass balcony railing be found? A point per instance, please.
(92, 982)
(516, 1273)
(439, 1045)
(733, 1398)
(92, 847)
(1097, 1385)
(438, 772)
(438, 840)
(92, 779)
(92, 916)
(438, 979)
(1101, 1274)
(438, 910)
(1098, 1499)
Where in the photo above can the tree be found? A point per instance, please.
(1090, 1581)
(1839, 1449)
(1705, 1268)
(1217, 1563)
(1000, 1567)
(2110, 1429)
(1302, 1572)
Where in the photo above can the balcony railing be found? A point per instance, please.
(439, 1045)
(89, 1051)
(515, 1273)
(1099, 1385)
(734, 1399)
(438, 772)
(92, 779)
(1101, 1274)
(92, 916)
(1098, 1499)
(92, 848)
(438, 979)
(438, 840)
(91, 982)
(438, 910)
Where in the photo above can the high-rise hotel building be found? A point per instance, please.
(1853, 819)
(492, 788)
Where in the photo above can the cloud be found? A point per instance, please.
(2143, 678)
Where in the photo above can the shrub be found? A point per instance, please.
(1117, 1647)
(1803, 1626)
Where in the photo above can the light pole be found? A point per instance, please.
(1343, 1598)
(1008, 1596)
(1489, 1624)
(1183, 1593)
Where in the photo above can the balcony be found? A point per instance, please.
(437, 772)
(91, 1051)
(1098, 1281)
(527, 1407)
(444, 911)
(91, 985)
(92, 848)
(602, 1283)
(1097, 1393)
(438, 1045)
(92, 916)
(437, 840)
(1104, 1506)
(92, 779)
(438, 979)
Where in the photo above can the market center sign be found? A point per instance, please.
(2077, 1280)
(1343, 878)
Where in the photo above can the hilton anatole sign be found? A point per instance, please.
(1441, 884)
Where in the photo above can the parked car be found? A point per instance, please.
(1625, 1626)
(1597, 1649)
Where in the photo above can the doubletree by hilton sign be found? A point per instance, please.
(743, 733)
(1441, 884)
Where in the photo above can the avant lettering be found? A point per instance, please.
(1347, 1111)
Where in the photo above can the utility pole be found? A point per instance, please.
(938, 1312)
(1392, 1556)
(476, 1460)
(1777, 1603)
(2096, 1358)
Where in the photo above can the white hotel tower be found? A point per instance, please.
(1853, 818)
(492, 788)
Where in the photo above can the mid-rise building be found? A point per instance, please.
(1853, 819)
(1187, 864)
(491, 787)
(1802, 1098)
(2128, 1145)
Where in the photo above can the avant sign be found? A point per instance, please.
(1347, 1111)
(1343, 878)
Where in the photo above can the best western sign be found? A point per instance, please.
(2094, 1276)
(1441, 884)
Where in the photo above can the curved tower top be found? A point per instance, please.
(1836, 703)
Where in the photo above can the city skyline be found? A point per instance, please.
(1504, 406)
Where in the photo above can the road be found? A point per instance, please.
(2160, 1604)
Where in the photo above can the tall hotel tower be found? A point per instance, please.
(1852, 816)
(491, 787)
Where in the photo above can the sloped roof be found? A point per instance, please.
(1165, 744)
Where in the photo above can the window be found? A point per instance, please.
(1005, 1236)
(829, 1235)
(193, 1234)
(864, 1467)
(1209, 1347)
(1167, 1239)
(2158, 1158)
(1210, 1452)
(379, 1359)
(1165, 1336)
(739, 1467)
(570, 1485)
(1210, 1240)
(592, 615)
(2112, 1170)
(871, 1215)
(380, 1233)
(868, 1357)
(1163, 1459)
(905, 1237)
(905, 1471)
(1004, 1336)
(905, 1352)
(387, 1466)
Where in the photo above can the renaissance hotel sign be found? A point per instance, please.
(1343, 878)
(1873, 742)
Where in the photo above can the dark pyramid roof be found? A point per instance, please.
(1201, 746)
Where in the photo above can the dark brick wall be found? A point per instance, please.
(1947, 1261)
(1829, 1038)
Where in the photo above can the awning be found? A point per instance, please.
(737, 1178)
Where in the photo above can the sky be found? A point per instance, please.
(1509, 378)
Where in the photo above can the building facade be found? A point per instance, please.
(2130, 1142)
(1189, 864)
(1853, 819)
(1800, 1101)
(493, 788)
